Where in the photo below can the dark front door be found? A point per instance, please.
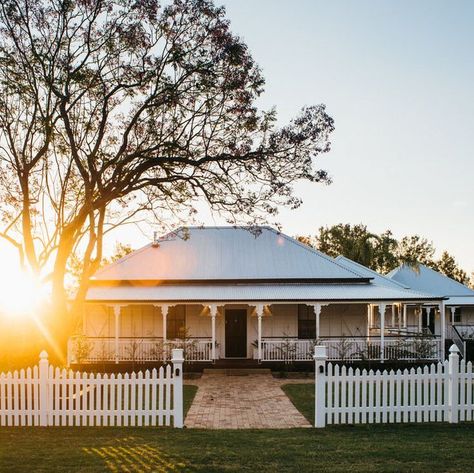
(236, 333)
(424, 321)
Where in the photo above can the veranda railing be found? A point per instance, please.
(353, 349)
(84, 350)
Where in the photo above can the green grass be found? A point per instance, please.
(189, 391)
(399, 448)
(302, 396)
(430, 448)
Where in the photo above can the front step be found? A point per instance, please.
(237, 371)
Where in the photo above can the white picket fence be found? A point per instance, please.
(442, 392)
(48, 396)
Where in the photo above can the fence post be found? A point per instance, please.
(177, 359)
(43, 389)
(320, 357)
(453, 401)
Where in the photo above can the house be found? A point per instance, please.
(233, 293)
(459, 301)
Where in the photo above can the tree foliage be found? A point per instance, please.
(358, 244)
(413, 250)
(112, 108)
(382, 252)
(448, 266)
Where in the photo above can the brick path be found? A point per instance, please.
(253, 401)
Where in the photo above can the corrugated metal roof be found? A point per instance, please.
(254, 292)
(378, 278)
(429, 281)
(460, 300)
(226, 253)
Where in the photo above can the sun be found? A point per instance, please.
(21, 293)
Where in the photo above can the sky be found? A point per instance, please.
(398, 79)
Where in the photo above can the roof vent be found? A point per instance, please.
(156, 243)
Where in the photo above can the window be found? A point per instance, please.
(176, 322)
(306, 322)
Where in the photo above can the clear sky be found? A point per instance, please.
(398, 78)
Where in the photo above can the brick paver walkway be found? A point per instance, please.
(253, 401)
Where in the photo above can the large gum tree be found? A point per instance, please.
(112, 108)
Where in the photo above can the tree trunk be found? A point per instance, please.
(61, 322)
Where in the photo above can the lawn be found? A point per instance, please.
(421, 448)
(189, 391)
(302, 396)
(400, 448)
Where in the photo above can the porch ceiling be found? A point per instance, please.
(255, 292)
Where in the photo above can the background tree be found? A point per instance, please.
(413, 250)
(382, 252)
(448, 266)
(385, 254)
(355, 242)
(112, 108)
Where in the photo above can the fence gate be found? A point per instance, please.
(441, 392)
(45, 396)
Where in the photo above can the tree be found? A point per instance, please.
(354, 242)
(448, 266)
(385, 258)
(112, 108)
(382, 252)
(75, 265)
(414, 250)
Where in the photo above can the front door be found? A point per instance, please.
(424, 321)
(236, 333)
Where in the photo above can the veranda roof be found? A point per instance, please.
(429, 281)
(255, 292)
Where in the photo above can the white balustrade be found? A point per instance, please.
(414, 349)
(83, 350)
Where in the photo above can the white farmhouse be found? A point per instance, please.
(238, 295)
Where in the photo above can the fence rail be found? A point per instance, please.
(48, 396)
(353, 349)
(440, 392)
(84, 350)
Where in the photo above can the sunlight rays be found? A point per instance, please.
(21, 295)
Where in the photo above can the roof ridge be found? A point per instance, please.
(221, 227)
